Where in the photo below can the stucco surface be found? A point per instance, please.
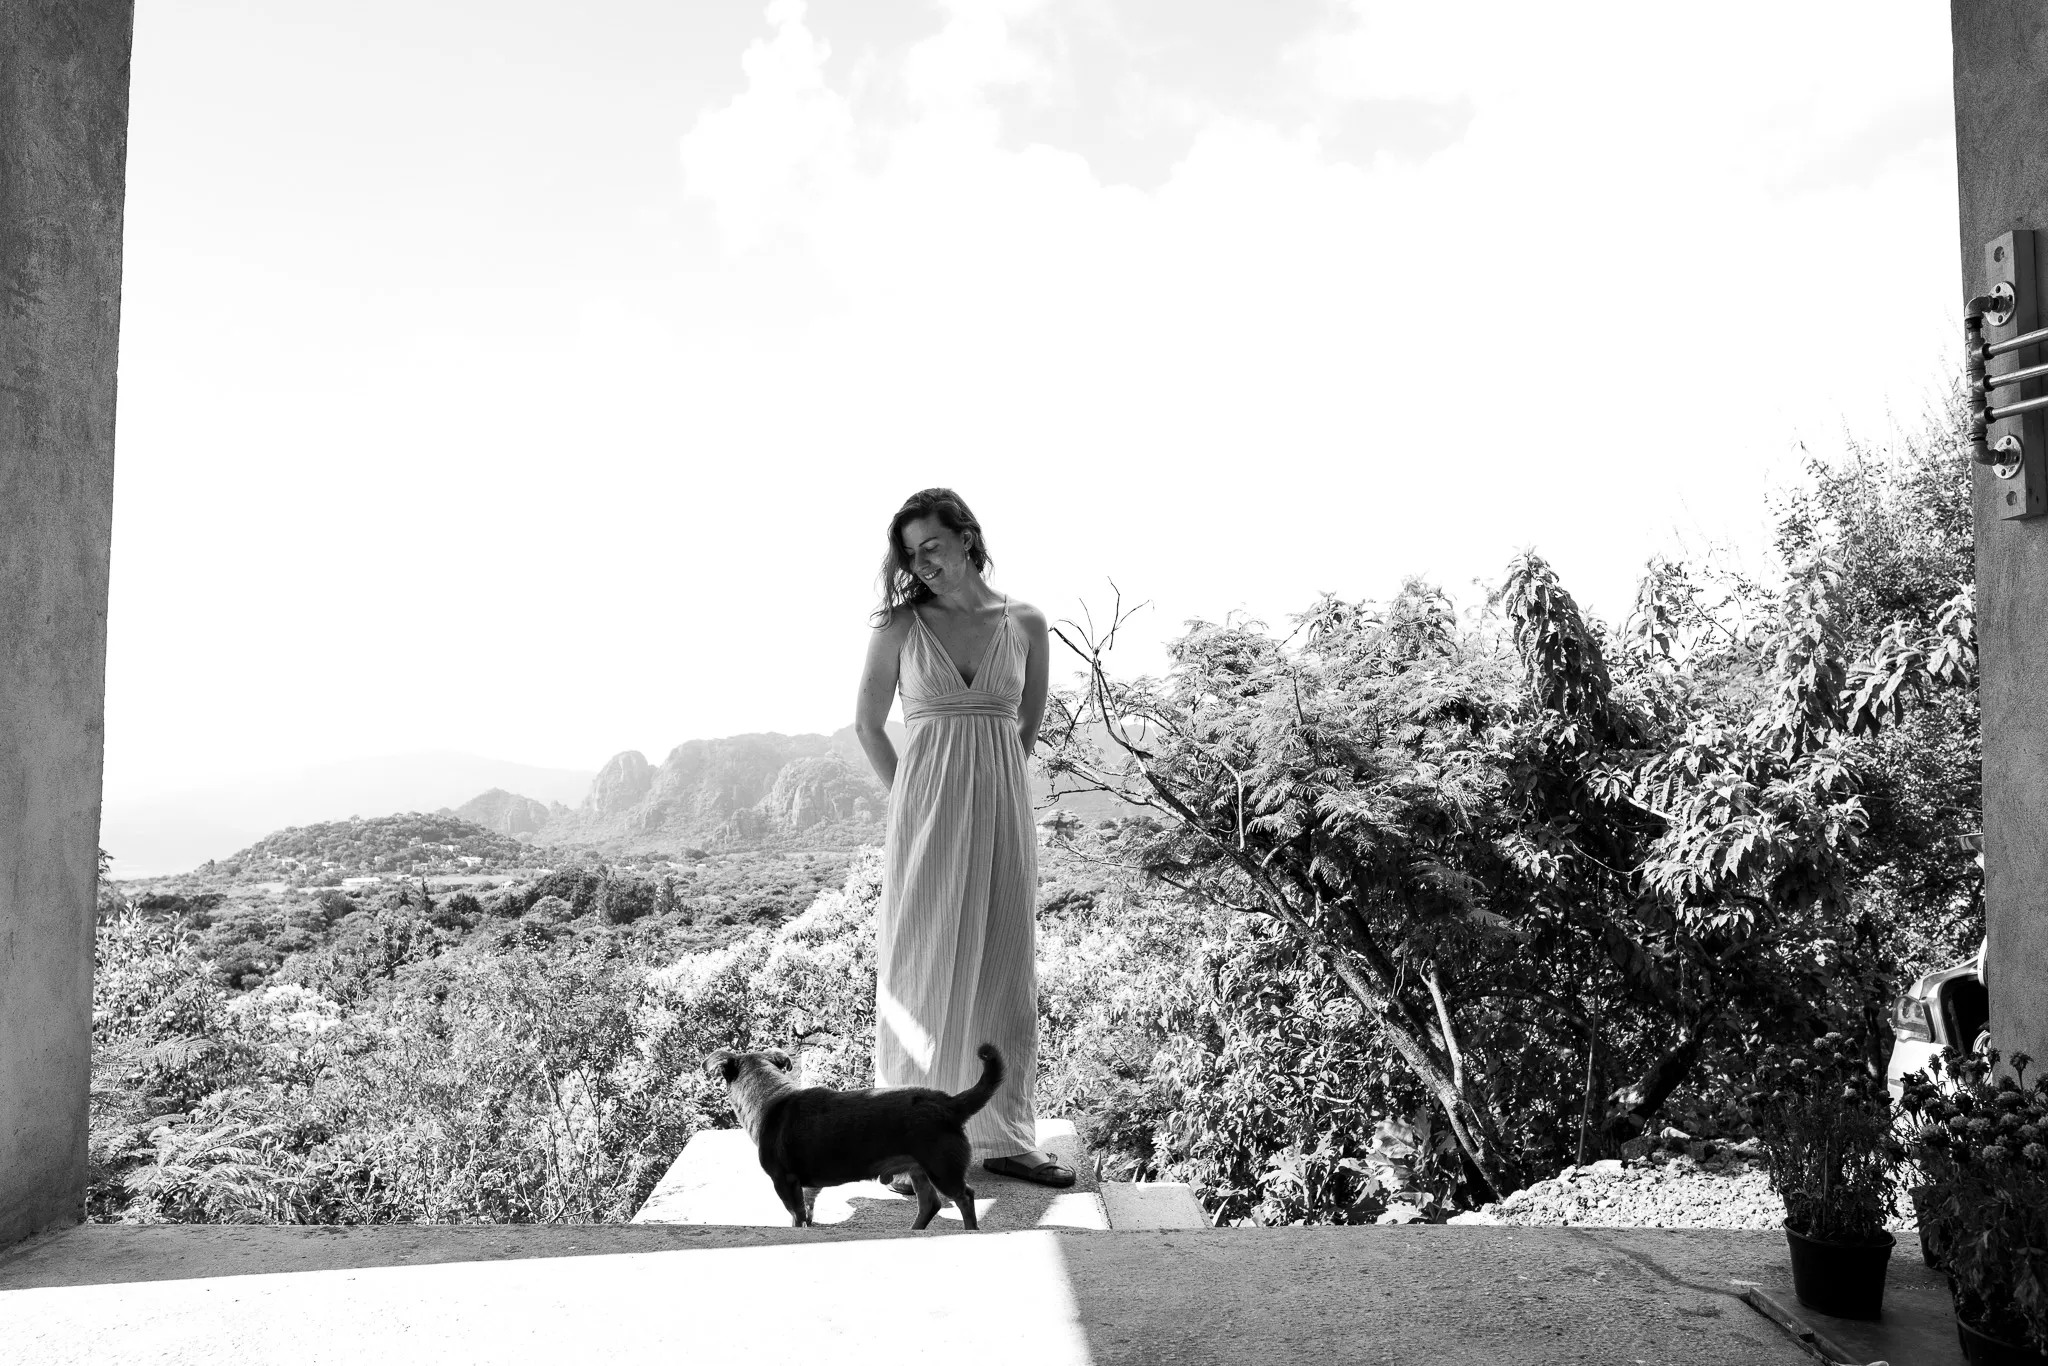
(2001, 85)
(63, 148)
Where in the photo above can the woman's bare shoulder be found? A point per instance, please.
(895, 628)
(1029, 617)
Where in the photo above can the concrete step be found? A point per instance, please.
(717, 1180)
(1152, 1205)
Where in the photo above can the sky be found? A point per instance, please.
(537, 381)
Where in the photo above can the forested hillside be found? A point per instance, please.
(409, 843)
(322, 888)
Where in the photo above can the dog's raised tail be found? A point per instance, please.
(977, 1095)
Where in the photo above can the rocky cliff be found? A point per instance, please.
(739, 790)
(506, 813)
(620, 785)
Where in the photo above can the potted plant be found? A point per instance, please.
(1825, 1121)
(1982, 1147)
(1928, 1219)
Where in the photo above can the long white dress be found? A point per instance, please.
(956, 945)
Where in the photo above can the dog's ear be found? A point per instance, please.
(723, 1065)
(780, 1059)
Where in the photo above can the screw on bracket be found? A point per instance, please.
(1996, 307)
(2006, 455)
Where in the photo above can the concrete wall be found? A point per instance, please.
(2001, 70)
(63, 159)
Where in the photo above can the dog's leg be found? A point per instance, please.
(963, 1199)
(927, 1198)
(792, 1196)
(811, 1204)
(953, 1185)
(949, 1174)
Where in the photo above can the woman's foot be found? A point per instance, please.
(1031, 1166)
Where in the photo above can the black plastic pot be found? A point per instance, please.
(1842, 1279)
(1981, 1349)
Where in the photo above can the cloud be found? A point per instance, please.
(781, 144)
(1525, 269)
(1413, 129)
(1128, 85)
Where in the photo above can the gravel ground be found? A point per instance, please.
(1707, 1186)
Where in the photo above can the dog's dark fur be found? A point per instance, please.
(814, 1136)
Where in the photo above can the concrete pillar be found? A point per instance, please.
(2001, 71)
(63, 163)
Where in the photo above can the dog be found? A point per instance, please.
(814, 1136)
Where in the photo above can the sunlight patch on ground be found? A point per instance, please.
(904, 1300)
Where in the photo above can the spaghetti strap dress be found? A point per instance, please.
(956, 941)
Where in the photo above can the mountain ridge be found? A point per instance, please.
(737, 791)
(761, 788)
(729, 791)
(174, 829)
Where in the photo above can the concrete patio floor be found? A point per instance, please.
(669, 1293)
(1918, 1327)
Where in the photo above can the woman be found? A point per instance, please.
(956, 949)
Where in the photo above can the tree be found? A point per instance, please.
(1349, 791)
(1547, 862)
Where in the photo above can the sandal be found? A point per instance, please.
(1046, 1173)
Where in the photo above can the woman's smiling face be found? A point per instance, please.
(937, 556)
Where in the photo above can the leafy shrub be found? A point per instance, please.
(335, 906)
(1201, 1048)
(457, 912)
(1571, 876)
(621, 900)
(370, 950)
(552, 910)
(1982, 1145)
(807, 986)
(211, 1175)
(404, 1073)
(1825, 1119)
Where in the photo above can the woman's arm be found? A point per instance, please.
(877, 693)
(1037, 664)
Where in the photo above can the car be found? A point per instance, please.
(1945, 1009)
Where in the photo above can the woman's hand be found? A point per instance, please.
(1037, 665)
(878, 677)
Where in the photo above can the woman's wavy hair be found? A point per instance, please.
(901, 588)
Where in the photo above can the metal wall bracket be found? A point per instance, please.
(2004, 347)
